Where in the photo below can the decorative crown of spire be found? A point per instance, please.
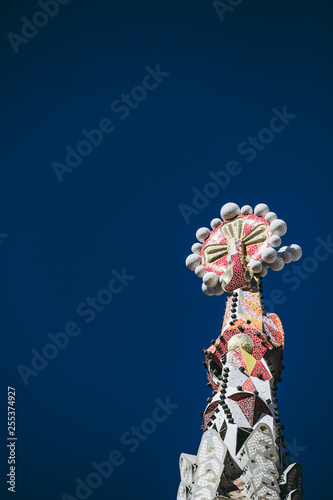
(241, 246)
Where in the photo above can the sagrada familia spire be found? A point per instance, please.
(242, 451)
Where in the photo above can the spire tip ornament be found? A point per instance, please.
(240, 247)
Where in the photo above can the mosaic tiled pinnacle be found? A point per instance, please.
(242, 451)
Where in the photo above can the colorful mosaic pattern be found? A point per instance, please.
(250, 229)
(242, 451)
(237, 279)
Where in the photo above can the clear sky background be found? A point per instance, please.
(129, 201)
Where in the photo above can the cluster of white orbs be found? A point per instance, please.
(275, 259)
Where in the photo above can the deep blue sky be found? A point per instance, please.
(119, 208)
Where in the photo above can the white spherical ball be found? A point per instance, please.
(295, 251)
(210, 279)
(217, 290)
(241, 340)
(263, 271)
(246, 210)
(286, 256)
(202, 234)
(278, 227)
(206, 289)
(269, 255)
(256, 266)
(274, 241)
(261, 210)
(278, 264)
(270, 216)
(229, 211)
(200, 271)
(215, 222)
(193, 261)
(196, 247)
